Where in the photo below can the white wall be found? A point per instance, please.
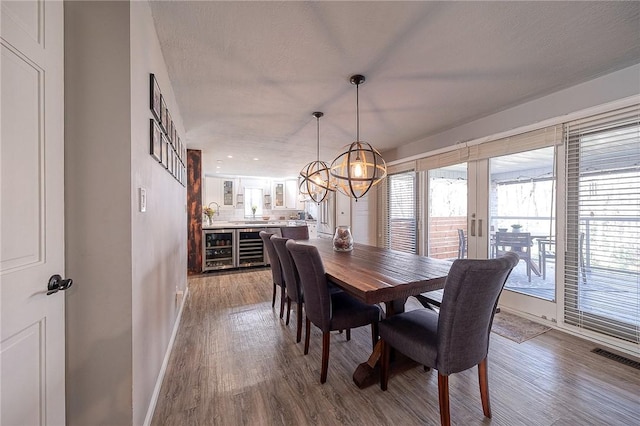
(98, 213)
(608, 88)
(158, 236)
(126, 265)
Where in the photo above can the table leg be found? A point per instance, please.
(368, 373)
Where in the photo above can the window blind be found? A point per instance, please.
(602, 268)
(400, 229)
(528, 141)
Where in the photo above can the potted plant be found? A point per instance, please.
(516, 227)
(253, 210)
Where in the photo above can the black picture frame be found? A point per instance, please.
(155, 138)
(164, 112)
(171, 162)
(155, 98)
(175, 137)
(165, 151)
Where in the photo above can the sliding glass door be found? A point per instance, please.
(447, 212)
(522, 205)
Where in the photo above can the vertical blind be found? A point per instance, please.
(400, 208)
(602, 267)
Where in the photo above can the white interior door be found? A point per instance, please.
(32, 227)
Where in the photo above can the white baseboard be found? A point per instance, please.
(165, 363)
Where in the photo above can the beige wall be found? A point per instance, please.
(126, 265)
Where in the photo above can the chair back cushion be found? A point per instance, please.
(274, 261)
(317, 300)
(471, 294)
(295, 232)
(289, 270)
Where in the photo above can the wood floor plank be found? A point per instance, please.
(235, 362)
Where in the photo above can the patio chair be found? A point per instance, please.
(546, 250)
(515, 242)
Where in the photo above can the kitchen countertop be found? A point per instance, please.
(254, 224)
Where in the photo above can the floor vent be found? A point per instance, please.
(618, 358)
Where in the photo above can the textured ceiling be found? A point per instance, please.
(248, 75)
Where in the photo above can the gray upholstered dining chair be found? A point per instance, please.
(291, 277)
(328, 311)
(456, 338)
(295, 232)
(276, 270)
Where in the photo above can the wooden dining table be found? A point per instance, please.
(378, 275)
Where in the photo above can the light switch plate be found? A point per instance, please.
(143, 199)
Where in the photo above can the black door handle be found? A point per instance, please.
(56, 283)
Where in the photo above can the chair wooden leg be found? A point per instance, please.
(273, 300)
(299, 323)
(483, 378)
(443, 398)
(385, 350)
(288, 310)
(348, 334)
(306, 336)
(282, 298)
(374, 334)
(326, 343)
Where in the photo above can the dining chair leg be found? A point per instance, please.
(374, 334)
(484, 387)
(326, 343)
(348, 334)
(288, 309)
(299, 323)
(273, 300)
(307, 332)
(384, 364)
(443, 399)
(282, 297)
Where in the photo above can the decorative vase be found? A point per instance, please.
(515, 229)
(343, 240)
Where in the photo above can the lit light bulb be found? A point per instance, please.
(357, 169)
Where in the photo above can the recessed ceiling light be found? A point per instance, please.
(255, 159)
(229, 156)
(217, 167)
(219, 161)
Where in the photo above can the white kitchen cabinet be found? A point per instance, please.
(278, 196)
(219, 190)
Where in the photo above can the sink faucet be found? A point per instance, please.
(217, 209)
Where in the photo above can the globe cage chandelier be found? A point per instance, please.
(314, 177)
(360, 166)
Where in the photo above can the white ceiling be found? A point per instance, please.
(248, 75)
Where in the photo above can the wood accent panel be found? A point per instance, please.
(194, 211)
(235, 362)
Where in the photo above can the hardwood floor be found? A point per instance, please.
(235, 362)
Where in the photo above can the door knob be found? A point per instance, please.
(56, 283)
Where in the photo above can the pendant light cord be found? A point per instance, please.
(357, 114)
(318, 139)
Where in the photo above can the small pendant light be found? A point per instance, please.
(314, 177)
